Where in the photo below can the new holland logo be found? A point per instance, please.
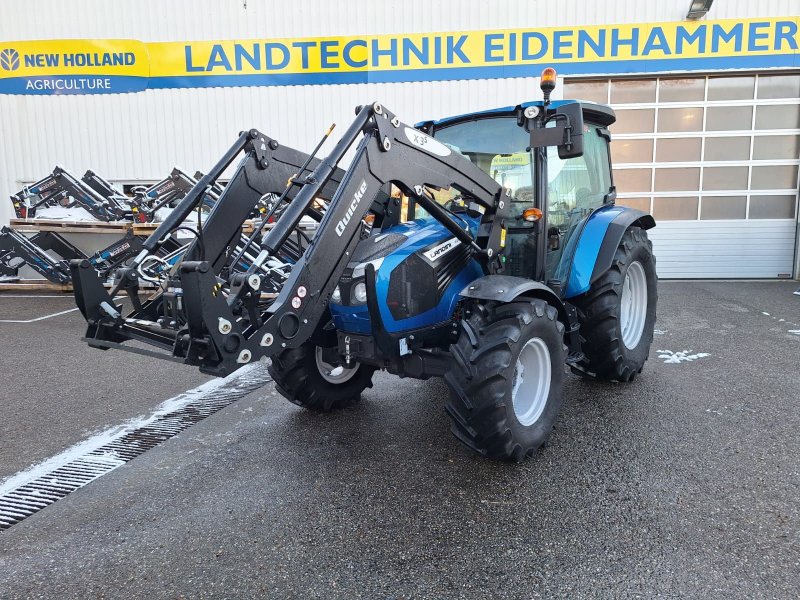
(340, 226)
(9, 59)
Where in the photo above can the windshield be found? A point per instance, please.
(497, 146)
(575, 186)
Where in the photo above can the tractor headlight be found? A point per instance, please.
(359, 293)
(336, 297)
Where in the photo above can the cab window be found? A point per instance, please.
(575, 188)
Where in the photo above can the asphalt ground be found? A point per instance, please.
(684, 483)
(55, 390)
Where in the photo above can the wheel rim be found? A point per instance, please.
(334, 373)
(633, 313)
(531, 383)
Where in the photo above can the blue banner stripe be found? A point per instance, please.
(57, 85)
(444, 74)
(87, 84)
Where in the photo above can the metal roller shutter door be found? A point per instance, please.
(715, 160)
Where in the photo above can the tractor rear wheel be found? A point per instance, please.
(303, 377)
(506, 379)
(618, 313)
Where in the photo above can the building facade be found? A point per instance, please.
(707, 137)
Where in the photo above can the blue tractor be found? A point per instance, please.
(484, 248)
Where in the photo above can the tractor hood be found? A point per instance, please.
(419, 267)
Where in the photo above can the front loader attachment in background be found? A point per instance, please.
(264, 169)
(220, 324)
(93, 194)
(18, 250)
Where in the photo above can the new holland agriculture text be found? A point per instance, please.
(103, 66)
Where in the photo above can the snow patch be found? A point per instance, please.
(673, 358)
(62, 213)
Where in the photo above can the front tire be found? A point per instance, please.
(507, 377)
(303, 377)
(618, 313)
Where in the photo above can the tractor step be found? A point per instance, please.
(574, 358)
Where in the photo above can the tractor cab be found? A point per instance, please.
(553, 189)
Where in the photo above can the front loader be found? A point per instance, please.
(61, 187)
(37, 252)
(493, 286)
(147, 201)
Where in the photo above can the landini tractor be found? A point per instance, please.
(484, 248)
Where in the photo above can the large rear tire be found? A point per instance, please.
(618, 313)
(507, 377)
(303, 377)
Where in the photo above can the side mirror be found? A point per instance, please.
(566, 132)
(572, 145)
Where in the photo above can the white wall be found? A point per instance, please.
(142, 135)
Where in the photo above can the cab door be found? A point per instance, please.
(576, 187)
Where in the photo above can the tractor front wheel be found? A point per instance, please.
(506, 379)
(303, 377)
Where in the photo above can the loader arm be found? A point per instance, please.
(16, 250)
(264, 169)
(171, 189)
(62, 183)
(227, 324)
(119, 204)
(30, 197)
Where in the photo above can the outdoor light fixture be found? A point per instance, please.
(531, 215)
(548, 83)
(698, 9)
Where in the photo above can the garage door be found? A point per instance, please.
(715, 160)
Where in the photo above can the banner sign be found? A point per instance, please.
(73, 67)
(110, 66)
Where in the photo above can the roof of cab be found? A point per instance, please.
(596, 112)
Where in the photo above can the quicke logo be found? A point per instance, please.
(9, 59)
(340, 226)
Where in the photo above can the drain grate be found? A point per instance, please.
(195, 405)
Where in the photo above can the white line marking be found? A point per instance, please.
(63, 312)
(104, 437)
(9, 296)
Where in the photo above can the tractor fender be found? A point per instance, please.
(507, 288)
(598, 242)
